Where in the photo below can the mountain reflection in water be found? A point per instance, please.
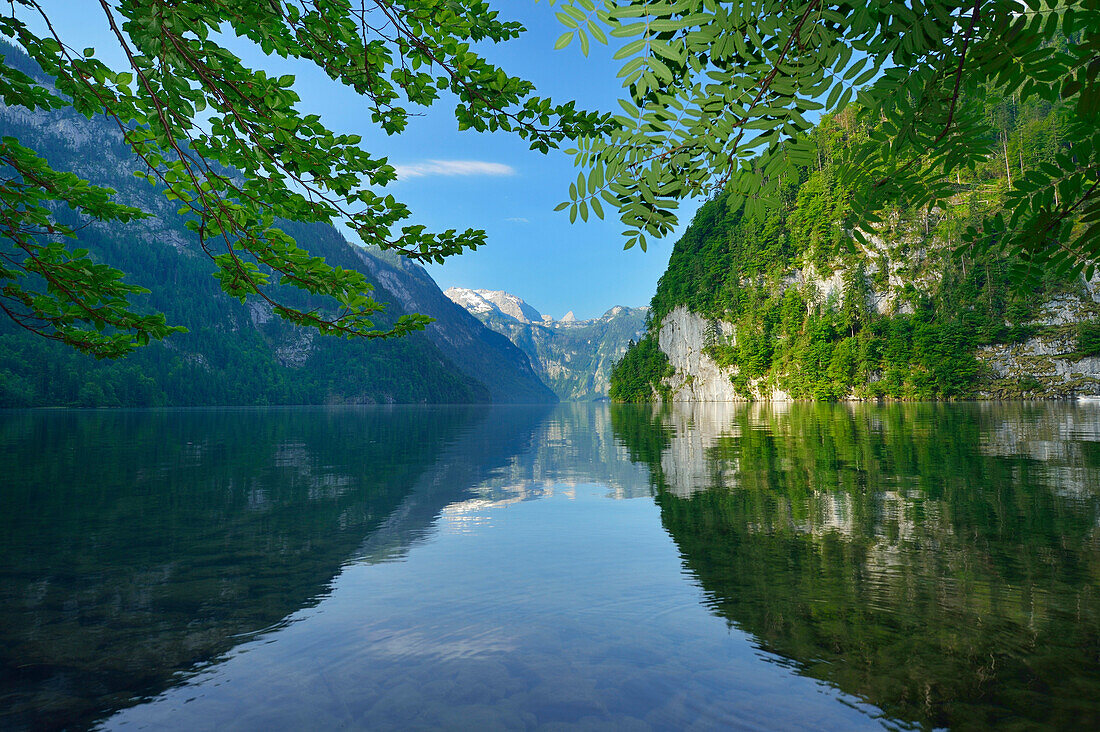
(940, 561)
(138, 545)
(824, 566)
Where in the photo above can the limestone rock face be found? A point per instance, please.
(498, 301)
(698, 377)
(1043, 367)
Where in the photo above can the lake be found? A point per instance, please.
(802, 566)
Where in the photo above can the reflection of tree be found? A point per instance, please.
(146, 543)
(890, 551)
(640, 428)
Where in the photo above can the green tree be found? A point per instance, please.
(226, 142)
(722, 95)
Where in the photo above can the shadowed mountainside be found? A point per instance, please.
(239, 354)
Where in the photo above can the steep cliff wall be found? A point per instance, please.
(697, 377)
(1045, 366)
(794, 304)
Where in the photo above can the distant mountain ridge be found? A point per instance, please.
(489, 301)
(573, 357)
(233, 353)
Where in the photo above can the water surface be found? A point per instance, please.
(695, 566)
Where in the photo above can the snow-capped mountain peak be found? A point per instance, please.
(573, 357)
(487, 301)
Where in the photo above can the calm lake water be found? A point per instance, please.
(572, 567)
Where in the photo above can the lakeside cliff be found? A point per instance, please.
(790, 305)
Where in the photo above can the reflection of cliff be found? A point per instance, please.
(912, 555)
(574, 444)
(148, 543)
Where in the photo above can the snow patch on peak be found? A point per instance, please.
(469, 300)
(487, 301)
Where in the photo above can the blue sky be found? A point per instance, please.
(453, 179)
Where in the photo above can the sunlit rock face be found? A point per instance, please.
(1046, 361)
(573, 357)
(1043, 366)
(494, 301)
(697, 377)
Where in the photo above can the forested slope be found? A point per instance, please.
(237, 353)
(793, 306)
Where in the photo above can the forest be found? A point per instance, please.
(745, 270)
(230, 354)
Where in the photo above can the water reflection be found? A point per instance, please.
(572, 445)
(782, 566)
(939, 561)
(136, 546)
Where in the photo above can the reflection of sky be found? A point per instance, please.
(510, 614)
(574, 446)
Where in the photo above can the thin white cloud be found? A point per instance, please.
(452, 168)
(517, 220)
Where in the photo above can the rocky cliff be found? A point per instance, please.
(573, 357)
(1044, 366)
(793, 304)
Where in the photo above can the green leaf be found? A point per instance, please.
(597, 32)
(629, 49)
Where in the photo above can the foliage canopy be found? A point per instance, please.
(227, 143)
(722, 95)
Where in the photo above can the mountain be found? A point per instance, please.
(240, 354)
(573, 357)
(481, 302)
(791, 305)
(479, 352)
